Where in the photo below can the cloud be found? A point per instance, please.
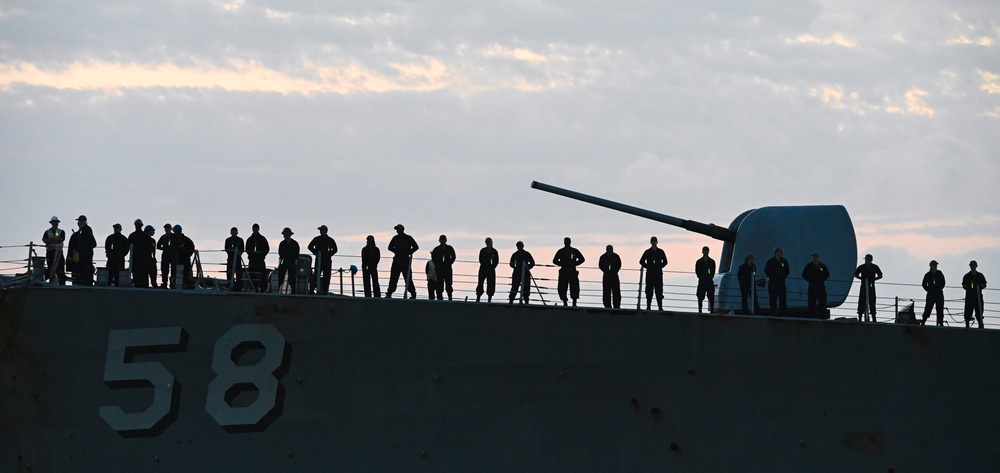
(981, 41)
(991, 82)
(835, 39)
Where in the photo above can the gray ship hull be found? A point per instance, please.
(262, 383)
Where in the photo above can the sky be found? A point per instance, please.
(438, 115)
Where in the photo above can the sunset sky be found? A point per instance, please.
(438, 115)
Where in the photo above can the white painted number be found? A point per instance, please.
(233, 378)
(120, 372)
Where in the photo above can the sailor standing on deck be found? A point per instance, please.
(520, 279)
(747, 276)
(168, 245)
(370, 256)
(137, 241)
(816, 274)
(185, 250)
(444, 256)
(433, 281)
(973, 282)
(654, 260)
(55, 262)
(150, 255)
(704, 269)
(488, 261)
(81, 250)
(933, 283)
(610, 263)
(324, 247)
(116, 249)
(868, 273)
(402, 247)
(568, 258)
(234, 258)
(776, 269)
(257, 249)
(288, 253)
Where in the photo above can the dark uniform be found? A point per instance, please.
(654, 260)
(116, 249)
(140, 261)
(611, 290)
(234, 259)
(81, 250)
(257, 249)
(934, 283)
(370, 256)
(868, 273)
(747, 276)
(816, 273)
(150, 255)
(488, 261)
(568, 258)
(185, 251)
(324, 247)
(444, 257)
(704, 269)
(55, 262)
(288, 254)
(776, 269)
(973, 282)
(168, 246)
(402, 247)
(520, 278)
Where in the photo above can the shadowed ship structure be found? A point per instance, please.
(124, 380)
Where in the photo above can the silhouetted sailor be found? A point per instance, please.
(568, 258)
(402, 247)
(257, 249)
(520, 278)
(234, 258)
(168, 246)
(444, 257)
(139, 266)
(704, 269)
(116, 249)
(973, 282)
(288, 254)
(654, 260)
(370, 256)
(433, 282)
(933, 283)
(324, 247)
(150, 256)
(816, 274)
(185, 250)
(776, 269)
(747, 276)
(611, 288)
(868, 273)
(488, 261)
(55, 261)
(81, 250)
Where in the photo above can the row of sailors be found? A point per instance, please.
(177, 250)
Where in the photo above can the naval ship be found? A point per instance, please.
(99, 379)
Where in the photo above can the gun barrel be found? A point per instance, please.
(711, 230)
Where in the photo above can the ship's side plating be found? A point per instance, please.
(292, 383)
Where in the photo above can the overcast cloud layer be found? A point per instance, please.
(438, 115)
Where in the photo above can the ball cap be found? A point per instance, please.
(82, 217)
(178, 228)
(867, 257)
(934, 263)
(149, 228)
(117, 226)
(321, 227)
(399, 226)
(287, 231)
(973, 264)
(54, 219)
(167, 225)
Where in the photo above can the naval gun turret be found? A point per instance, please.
(799, 230)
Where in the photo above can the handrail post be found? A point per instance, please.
(638, 296)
